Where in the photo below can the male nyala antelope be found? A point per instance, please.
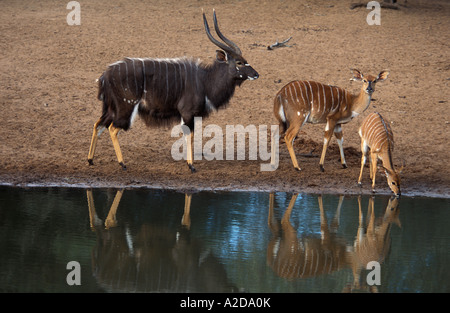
(301, 102)
(377, 135)
(162, 91)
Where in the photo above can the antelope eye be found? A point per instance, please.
(239, 63)
(393, 183)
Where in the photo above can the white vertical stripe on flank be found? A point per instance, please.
(175, 91)
(126, 72)
(143, 74)
(332, 98)
(318, 98)
(301, 90)
(185, 73)
(338, 99)
(345, 99)
(135, 80)
(312, 96)
(181, 77)
(289, 97)
(296, 96)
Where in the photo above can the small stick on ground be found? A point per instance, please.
(279, 44)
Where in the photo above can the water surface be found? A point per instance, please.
(144, 240)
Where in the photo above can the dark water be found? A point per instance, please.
(166, 241)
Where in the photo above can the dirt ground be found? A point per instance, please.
(48, 93)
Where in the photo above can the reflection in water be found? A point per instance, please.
(292, 257)
(154, 240)
(374, 244)
(155, 258)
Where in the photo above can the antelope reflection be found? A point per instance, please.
(152, 258)
(294, 257)
(372, 243)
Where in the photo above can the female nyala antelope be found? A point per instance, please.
(163, 91)
(377, 135)
(301, 102)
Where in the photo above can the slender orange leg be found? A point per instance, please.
(186, 220)
(326, 141)
(111, 218)
(271, 221)
(289, 232)
(113, 131)
(340, 140)
(364, 150)
(93, 218)
(287, 213)
(373, 164)
(95, 135)
(189, 157)
(291, 133)
(370, 210)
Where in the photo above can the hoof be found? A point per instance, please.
(192, 168)
(91, 162)
(321, 168)
(298, 169)
(344, 166)
(124, 167)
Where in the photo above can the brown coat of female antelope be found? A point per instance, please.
(301, 102)
(377, 135)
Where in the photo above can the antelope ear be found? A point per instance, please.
(382, 76)
(357, 75)
(221, 56)
(400, 170)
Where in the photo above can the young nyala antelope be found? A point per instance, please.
(377, 135)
